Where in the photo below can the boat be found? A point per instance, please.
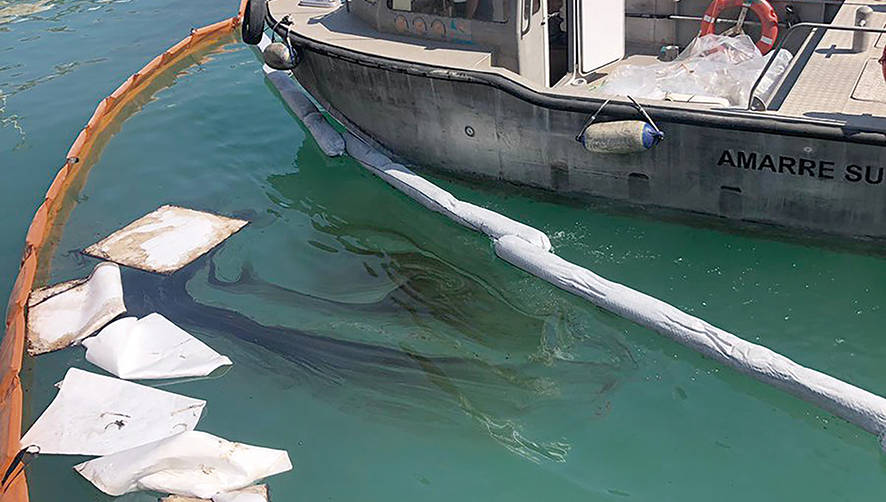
(515, 91)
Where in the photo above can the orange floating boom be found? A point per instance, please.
(48, 216)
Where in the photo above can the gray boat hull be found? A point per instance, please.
(826, 186)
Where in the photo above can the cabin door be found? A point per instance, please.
(601, 32)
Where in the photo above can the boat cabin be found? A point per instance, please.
(572, 44)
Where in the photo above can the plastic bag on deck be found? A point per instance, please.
(713, 66)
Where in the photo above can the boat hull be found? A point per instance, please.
(473, 129)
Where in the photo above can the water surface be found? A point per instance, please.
(386, 348)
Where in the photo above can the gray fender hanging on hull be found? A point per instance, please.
(623, 136)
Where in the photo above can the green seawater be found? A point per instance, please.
(388, 349)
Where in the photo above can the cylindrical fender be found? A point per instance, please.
(623, 136)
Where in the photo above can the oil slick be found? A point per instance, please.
(502, 395)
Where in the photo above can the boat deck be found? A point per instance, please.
(838, 84)
(833, 84)
(335, 26)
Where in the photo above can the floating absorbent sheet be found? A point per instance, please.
(99, 415)
(165, 240)
(254, 493)
(63, 314)
(329, 140)
(436, 199)
(151, 347)
(191, 464)
(858, 406)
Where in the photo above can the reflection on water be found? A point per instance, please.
(11, 11)
(11, 120)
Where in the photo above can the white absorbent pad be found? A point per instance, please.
(329, 140)
(165, 240)
(99, 415)
(63, 314)
(151, 347)
(192, 464)
(438, 200)
(858, 406)
(253, 493)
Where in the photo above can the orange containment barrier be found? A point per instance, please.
(40, 240)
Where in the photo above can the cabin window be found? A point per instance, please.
(479, 10)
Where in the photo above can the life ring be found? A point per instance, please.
(763, 10)
(254, 21)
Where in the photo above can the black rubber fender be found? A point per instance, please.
(254, 21)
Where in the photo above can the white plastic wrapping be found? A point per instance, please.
(99, 415)
(329, 140)
(151, 347)
(191, 464)
(66, 313)
(856, 405)
(713, 66)
(436, 199)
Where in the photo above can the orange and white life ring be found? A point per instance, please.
(763, 10)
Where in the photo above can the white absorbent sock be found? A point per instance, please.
(529, 249)
(858, 406)
(438, 200)
(329, 140)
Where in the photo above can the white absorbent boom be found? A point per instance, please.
(529, 249)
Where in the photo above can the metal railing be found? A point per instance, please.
(781, 42)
